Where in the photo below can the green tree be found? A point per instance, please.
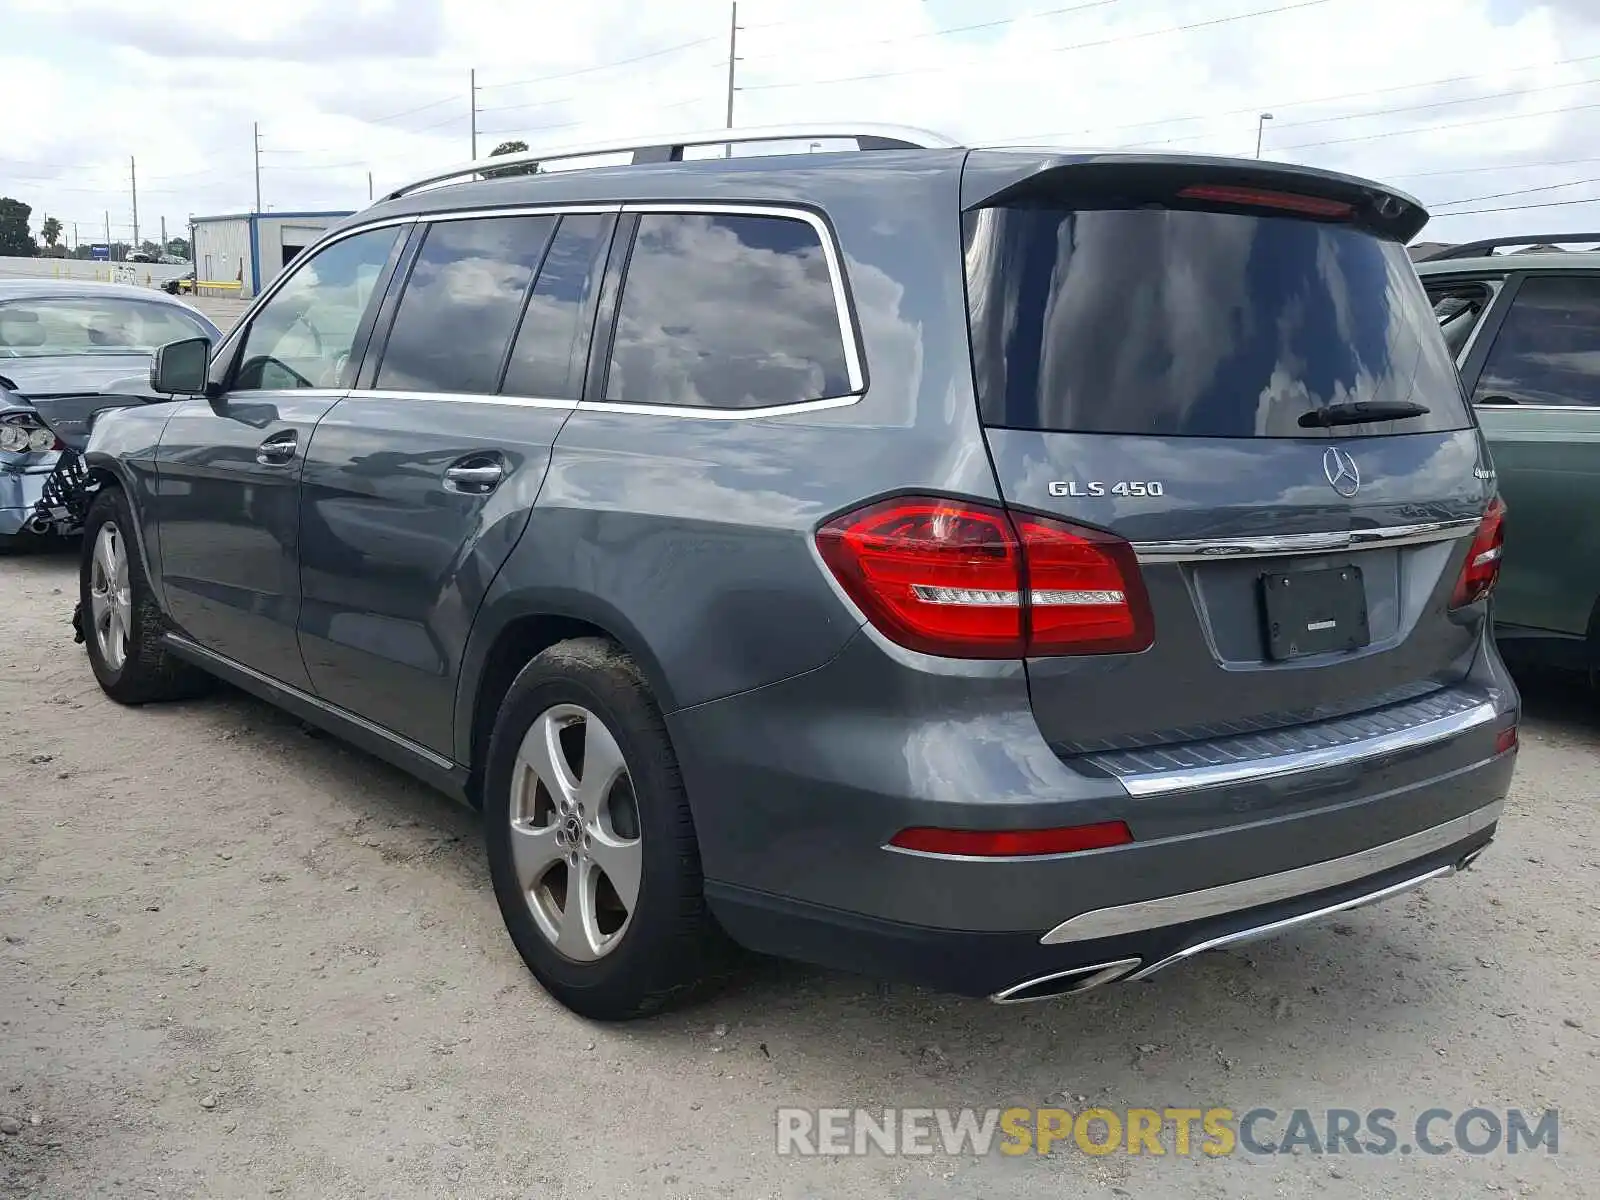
(50, 231)
(178, 247)
(16, 241)
(515, 146)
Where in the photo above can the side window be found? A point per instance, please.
(303, 336)
(460, 305)
(1459, 307)
(726, 312)
(1548, 350)
(552, 347)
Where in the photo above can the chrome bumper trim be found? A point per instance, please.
(1331, 542)
(1274, 928)
(1185, 779)
(1269, 889)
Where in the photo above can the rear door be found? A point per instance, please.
(419, 482)
(1177, 368)
(1536, 388)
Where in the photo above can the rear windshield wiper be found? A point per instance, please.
(1359, 412)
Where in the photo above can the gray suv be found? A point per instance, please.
(1008, 570)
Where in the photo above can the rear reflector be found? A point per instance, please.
(1013, 843)
(1482, 568)
(1505, 740)
(1311, 206)
(966, 580)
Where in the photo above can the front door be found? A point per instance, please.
(228, 468)
(419, 482)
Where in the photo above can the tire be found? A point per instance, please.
(131, 664)
(625, 962)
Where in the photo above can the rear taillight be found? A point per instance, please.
(1249, 197)
(966, 580)
(1482, 567)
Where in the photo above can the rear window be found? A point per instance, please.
(1201, 324)
(91, 325)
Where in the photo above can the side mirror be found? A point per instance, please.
(179, 368)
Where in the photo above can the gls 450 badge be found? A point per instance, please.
(1123, 487)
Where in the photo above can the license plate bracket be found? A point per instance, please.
(1314, 612)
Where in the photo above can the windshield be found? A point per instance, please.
(90, 325)
(1196, 323)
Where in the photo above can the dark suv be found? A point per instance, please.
(1008, 570)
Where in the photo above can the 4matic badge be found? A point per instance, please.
(1123, 487)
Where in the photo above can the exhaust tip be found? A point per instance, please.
(38, 525)
(1066, 983)
(1467, 862)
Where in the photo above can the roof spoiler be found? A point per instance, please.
(996, 178)
(1488, 246)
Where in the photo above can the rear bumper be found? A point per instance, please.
(19, 492)
(1022, 966)
(798, 788)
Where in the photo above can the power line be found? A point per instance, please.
(1253, 109)
(1527, 166)
(1549, 187)
(833, 46)
(1371, 137)
(1474, 212)
(1384, 112)
(1129, 37)
(621, 62)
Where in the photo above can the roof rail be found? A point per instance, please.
(670, 147)
(1490, 245)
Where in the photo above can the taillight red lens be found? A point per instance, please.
(1013, 843)
(1482, 567)
(1085, 591)
(1311, 206)
(966, 580)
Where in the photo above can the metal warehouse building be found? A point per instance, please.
(244, 252)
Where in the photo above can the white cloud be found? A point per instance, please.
(381, 86)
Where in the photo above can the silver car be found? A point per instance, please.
(60, 338)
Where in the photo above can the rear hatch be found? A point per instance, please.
(1234, 368)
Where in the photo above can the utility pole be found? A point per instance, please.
(133, 181)
(472, 99)
(733, 57)
(164, 250)
(111, 253)
(1261, 126)
(74, 237)
(256, 141)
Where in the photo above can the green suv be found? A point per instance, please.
(1525, 330)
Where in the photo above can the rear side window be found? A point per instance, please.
(461, 304)
(727, 311)
(552, 347)
(1459, 308)
(1548, 350)
(1195, 323)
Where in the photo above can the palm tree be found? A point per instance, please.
(50, 231)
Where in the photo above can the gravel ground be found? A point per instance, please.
(242, 960)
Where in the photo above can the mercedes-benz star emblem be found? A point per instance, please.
(1341, 470)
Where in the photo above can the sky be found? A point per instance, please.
(1486, 110)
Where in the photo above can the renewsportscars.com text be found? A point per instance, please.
(1181, 1132)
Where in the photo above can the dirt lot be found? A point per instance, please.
(240, 960)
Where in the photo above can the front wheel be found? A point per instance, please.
(122, 624)
(590, 841)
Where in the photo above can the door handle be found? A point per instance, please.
(277, 449)
(477, 479)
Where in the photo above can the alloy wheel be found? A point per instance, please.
(575, 832)
(110, 596)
